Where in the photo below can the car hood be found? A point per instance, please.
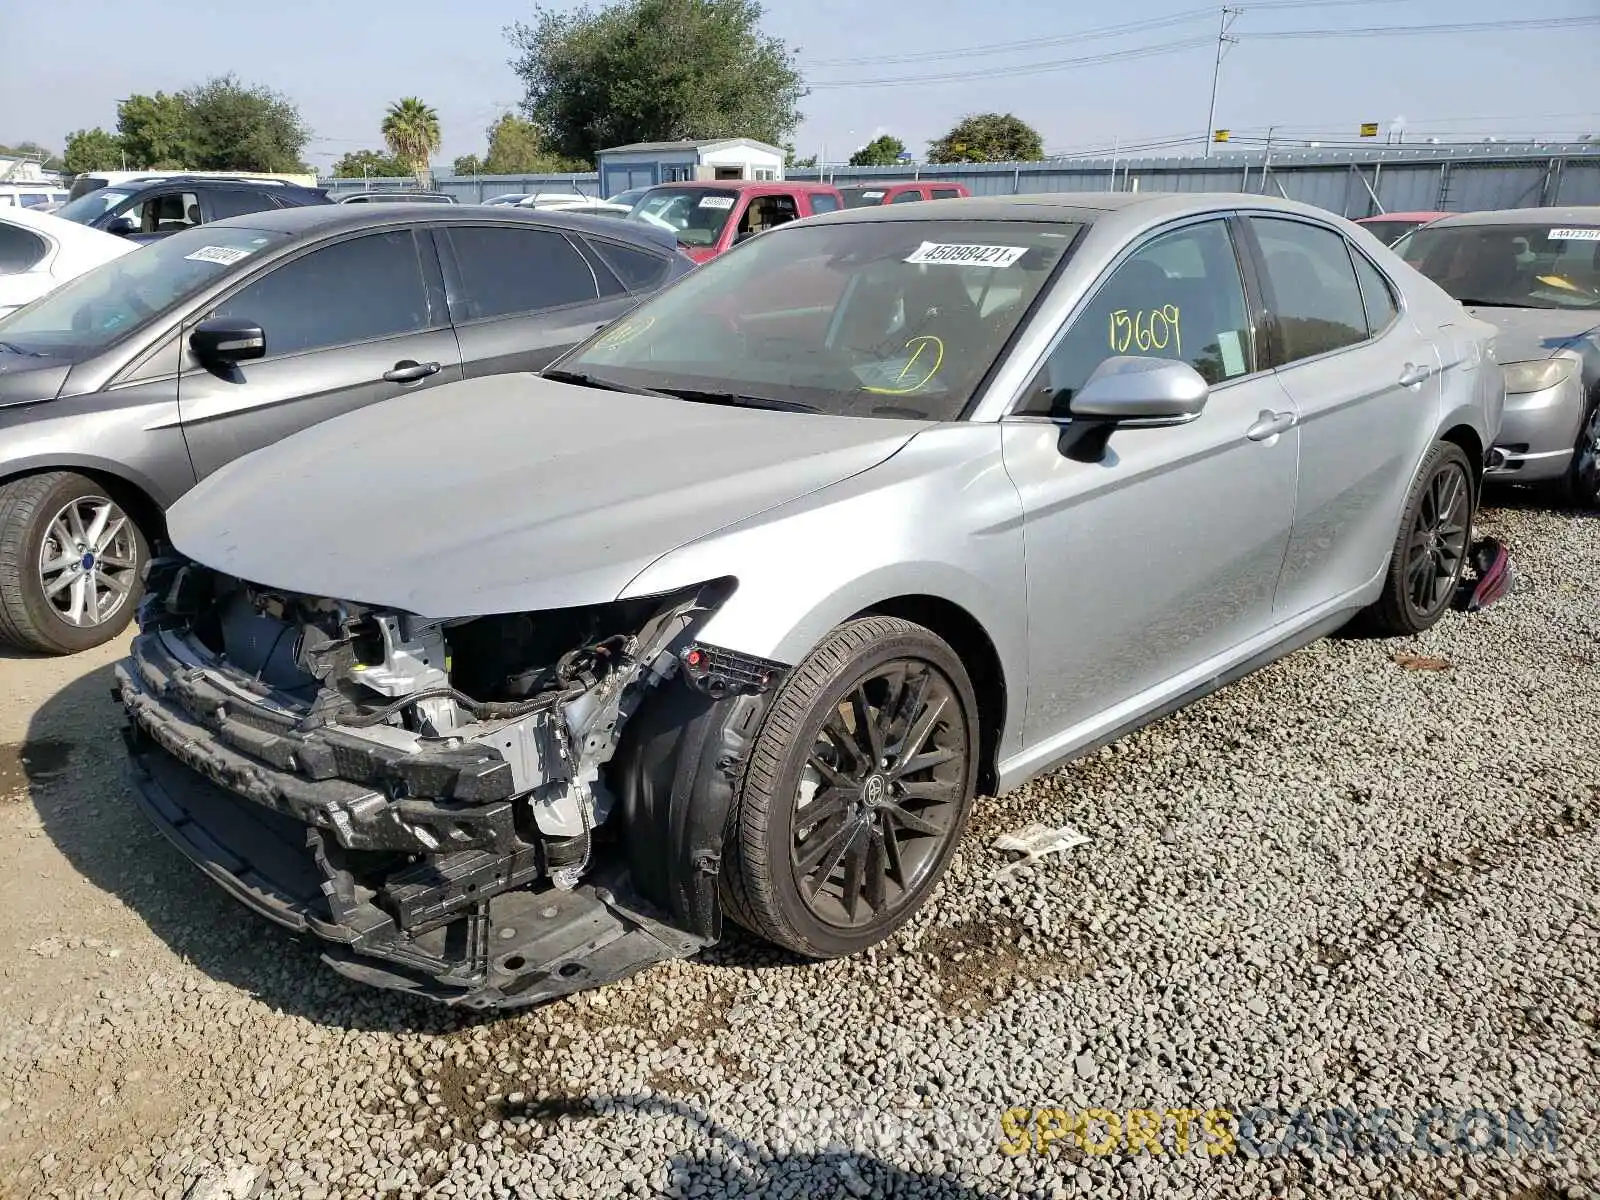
(508, 494)
(30, 378)
(1527, 334)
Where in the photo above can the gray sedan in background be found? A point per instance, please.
(1535, 274)
(121, 389)
(733, 610)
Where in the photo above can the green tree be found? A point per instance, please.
(517, 147)
(879, 152)
(92, 150)
(654, 70)
(467, 164)
(154, 131)
(238, 127)
(371, 163)
(988, 137)
(411, 131)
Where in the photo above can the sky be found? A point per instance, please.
(343, 62)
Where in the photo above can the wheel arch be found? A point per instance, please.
(135, 497)
(1472, 445)
(965, 635)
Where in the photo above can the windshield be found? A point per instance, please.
(86, 208)
(696, 216)
(879, 319)
(106, 304)
(862, 197)
(1510, 266)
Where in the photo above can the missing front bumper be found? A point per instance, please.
(436, 898)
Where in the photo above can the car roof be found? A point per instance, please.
(321, 220)
(1135, 208)
(742, 185)
(1401, 216)
(139, 182)
(1573, 215)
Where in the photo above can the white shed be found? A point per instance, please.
(644, 164)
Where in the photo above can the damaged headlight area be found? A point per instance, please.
(430, 796)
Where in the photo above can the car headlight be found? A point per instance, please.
(1536, 376)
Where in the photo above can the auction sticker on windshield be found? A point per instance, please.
(716, 201)
(1575, 235)
(966, 255)
(225, 255)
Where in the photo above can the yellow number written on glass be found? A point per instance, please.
(1146, 329)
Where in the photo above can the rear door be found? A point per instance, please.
(347, 324)
(1366, 389)
(520, 295)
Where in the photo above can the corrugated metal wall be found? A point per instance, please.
(1403, 179)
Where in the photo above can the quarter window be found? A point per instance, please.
(1376, 295)
(366, 288)
(20, 249)
(505, 272)
(638, 269)
(946, 194)
(821, 202)
(908, 197)
(1313, 295)
(1178, 296)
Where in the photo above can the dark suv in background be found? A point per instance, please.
(143, 210)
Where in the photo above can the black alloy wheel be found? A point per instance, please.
(1431, 545)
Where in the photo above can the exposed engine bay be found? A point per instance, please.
(430, 792)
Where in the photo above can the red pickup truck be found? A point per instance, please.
(708, 217)
(864, 195)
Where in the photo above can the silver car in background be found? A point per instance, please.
(733, 610)
(1535, 274)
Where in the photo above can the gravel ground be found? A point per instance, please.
(1341, 883)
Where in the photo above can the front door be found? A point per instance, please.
(347, 324)
(1366, 384)
(1161, 559)
(520, 296)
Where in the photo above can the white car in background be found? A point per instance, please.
(40, 252)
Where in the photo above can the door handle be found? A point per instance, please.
(408, 370)
(1270, 424)
(1413, 375)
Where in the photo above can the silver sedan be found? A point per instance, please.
(515, 687)
(1535, 274)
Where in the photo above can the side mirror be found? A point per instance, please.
(227, 341)
(1128, 391)
(122, 226)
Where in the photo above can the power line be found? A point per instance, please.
(1023, 69)
(1407, 30)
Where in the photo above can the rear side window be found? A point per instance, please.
(20, 249)
(906, 197)
(505, 272)
(236, 202)
(1316, 301)
(1376, 295)
(821, 202)
(368, 287)
(862, 197)
(946, 194)
(638, 269)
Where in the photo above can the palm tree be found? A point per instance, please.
(411, 130)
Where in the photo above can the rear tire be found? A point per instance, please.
(1431, 547)
(1580, 486)
(71, 561)
(867, 764)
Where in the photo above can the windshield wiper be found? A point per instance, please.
(738, 400)
(583, 379)
(1490, 303)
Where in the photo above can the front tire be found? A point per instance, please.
(1580, 487)
(858, 790)
(71, 561)
(1430, 549)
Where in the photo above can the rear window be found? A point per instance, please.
(862, 197)
(85, 184)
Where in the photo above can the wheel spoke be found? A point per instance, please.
(829, 862)
(824, 804)
(75, 523)
(117, 585)
(830, 773)
(822, 842)
(843, 740)
(868, 736)
(924, 761)
(62, 535)
(924, 726)
(116, 562)
(97, 525)
(109, 535)
(875, 867)
(911, 702)
(80, 587)
(891, 849)
(855, 870)
(60, 582)
(914, 822)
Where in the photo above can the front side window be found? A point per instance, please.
(103, 305)
(696, 216)
(900, 319)
(1178, 296)
(508, 272)
(768, 212)
(1533, 265)
(20, 249)
(368, 287)
(1313, 297)
(91, 204)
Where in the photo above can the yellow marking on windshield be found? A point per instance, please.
(1557, 281)
(623, 334)
(920, 343)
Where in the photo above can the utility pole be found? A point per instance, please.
(1223, 42)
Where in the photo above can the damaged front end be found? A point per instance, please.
(491, 811)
